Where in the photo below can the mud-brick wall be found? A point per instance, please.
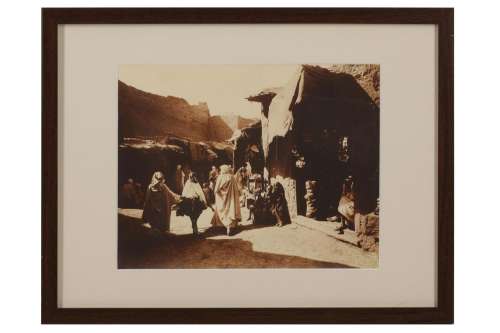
(144, 114)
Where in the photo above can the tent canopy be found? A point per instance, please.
(337, 96)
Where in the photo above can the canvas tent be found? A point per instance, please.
(311, 118)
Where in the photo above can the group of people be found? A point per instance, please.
(224, 193)
(221, 194)
(267, 203)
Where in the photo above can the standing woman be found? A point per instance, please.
(158, 203)
(194, 201)
(279, 206)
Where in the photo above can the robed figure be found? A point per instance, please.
(129, 194)
(212, 176)
(279, 206)
(179, 179)
(193, 201)
(227, 200)
(158, 203)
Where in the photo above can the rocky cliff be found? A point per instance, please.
(222, 128)
(367, 76)
(142, 114)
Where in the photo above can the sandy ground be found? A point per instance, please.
(291, 246)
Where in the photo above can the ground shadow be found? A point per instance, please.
(215, 231)
(140, 247)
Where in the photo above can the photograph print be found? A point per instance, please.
(248, 166)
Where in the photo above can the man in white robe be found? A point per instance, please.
(227, 200)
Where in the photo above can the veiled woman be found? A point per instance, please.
(193, 201)
(227, 200)
(279, 206)
(158, 203)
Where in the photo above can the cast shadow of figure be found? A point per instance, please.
(140, 247)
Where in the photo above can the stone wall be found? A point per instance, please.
(367, 231)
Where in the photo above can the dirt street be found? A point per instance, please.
(291, 246)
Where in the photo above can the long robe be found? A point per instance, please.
(279, 206)
(212, 178)
(227, 202)
(179, 180)
(158, 207)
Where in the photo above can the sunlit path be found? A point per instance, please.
(292, 246)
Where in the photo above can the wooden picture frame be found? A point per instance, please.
(52, 17)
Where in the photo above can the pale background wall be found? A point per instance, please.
(87, 144)
(476, 281)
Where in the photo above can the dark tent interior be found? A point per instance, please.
(335, 132)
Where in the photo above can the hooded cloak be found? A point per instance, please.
(158, 203)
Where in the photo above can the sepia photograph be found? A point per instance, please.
(248, 166)
(232, 165)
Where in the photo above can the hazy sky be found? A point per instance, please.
(223, 87)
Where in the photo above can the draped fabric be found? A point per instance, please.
(227, 200)
(306, 119)
(332, 93)
(279, 118)
(158, 206)
(193, 190)
(346, 208)
(279, 206)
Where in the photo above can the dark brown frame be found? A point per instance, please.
(52, 17)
